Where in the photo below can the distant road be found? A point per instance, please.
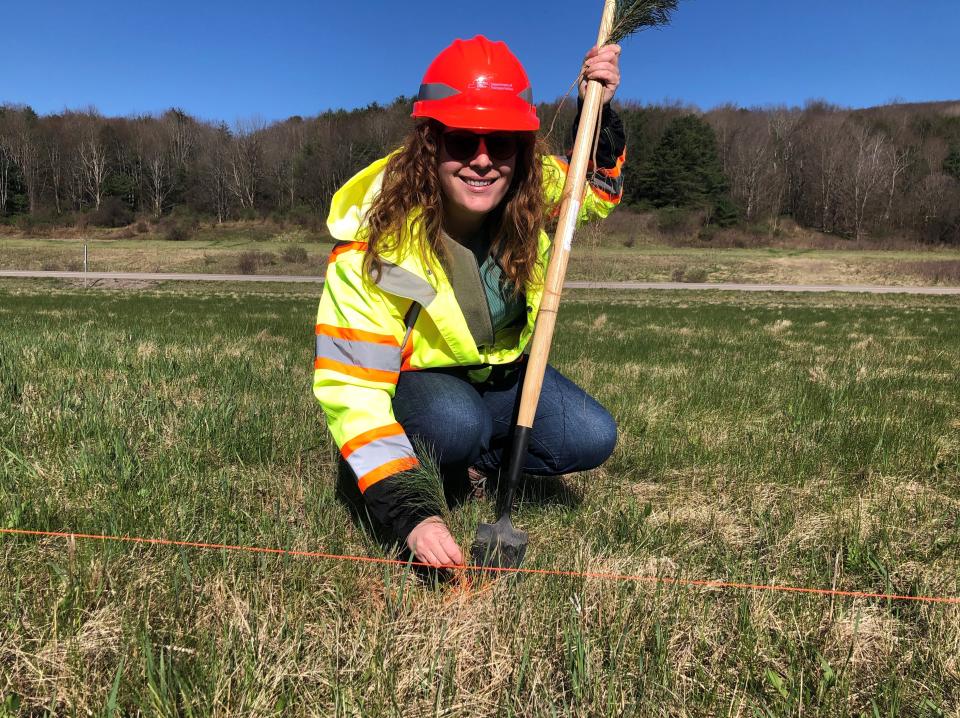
(159, 277)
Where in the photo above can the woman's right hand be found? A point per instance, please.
(432, 543)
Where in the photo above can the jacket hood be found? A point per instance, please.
(352, 201)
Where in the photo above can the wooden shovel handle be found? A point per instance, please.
(569, 211)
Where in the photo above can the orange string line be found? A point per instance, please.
(700, 583)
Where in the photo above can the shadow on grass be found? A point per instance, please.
(549, 491)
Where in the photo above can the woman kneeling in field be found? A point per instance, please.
(432, 294)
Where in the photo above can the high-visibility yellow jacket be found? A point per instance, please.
(368, 332)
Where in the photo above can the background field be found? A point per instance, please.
(628, 246)
(805, 440)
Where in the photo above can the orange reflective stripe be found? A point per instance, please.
(366, 437)
(406, 353)
(611, 172)
(356, 335)
(388, 469)
(359, 372)
(606, 196)
(347, 247)
(617, 170)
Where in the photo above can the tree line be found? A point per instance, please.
(854, 173)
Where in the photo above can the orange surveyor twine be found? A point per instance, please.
(491, 569)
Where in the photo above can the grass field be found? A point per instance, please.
(789, 439)
(601, 255)
(281, 254)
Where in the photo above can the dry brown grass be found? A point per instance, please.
(943, 271)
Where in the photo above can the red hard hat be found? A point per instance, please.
(478, 85)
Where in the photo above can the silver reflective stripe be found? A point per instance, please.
(404, 283)
(436, 91)
(610, 185)
(527, 95)
(363, 354)
(377, 453)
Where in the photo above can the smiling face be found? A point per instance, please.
(474, 185)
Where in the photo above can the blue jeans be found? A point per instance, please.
(466, 424)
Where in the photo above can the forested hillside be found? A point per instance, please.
(865, 174)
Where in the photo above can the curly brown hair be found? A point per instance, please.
(411, 189)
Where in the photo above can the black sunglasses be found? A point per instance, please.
(462, 145)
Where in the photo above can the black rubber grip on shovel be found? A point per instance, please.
(519, 443)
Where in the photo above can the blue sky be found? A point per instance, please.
(230, 60)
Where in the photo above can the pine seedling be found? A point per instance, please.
(634, 15)
(420, 489)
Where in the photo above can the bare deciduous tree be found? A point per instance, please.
(93, 159)
(157, 157)
(246, 161)
(868, 173)
(25, 141)
(182, 131)
(215, 170)
(6, 162)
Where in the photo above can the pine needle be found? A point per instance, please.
(420, 489)
(634, 15)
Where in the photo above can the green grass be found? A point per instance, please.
(789, 439)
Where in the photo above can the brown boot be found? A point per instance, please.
(478, 484)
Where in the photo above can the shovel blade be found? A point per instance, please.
(499, 545)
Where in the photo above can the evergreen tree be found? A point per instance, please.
(684, 169)
(725, 212)
(951, 164)
(639, 146)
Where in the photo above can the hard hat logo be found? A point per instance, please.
(482, 83)
(477, 84)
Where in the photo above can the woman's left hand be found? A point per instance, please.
(602, 65)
